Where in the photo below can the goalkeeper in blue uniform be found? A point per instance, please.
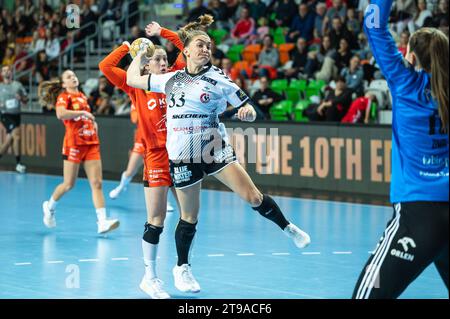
(417, 235)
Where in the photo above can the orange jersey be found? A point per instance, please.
(80, 130)
(150, 107)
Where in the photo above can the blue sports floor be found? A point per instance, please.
(237, 253)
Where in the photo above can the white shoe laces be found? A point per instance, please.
(186, 274)
(157, 284)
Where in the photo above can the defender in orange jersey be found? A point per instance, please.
(137, 153)
(81, 145)
(151, 111)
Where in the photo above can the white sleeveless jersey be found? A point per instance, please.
(193, 105)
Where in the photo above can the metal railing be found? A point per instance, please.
(67, 52)
(66, 57)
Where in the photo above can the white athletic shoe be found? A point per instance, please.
(49, 216)
(184, 280)
(107, 225)
(154, 288)
(116, 192)
(170, 207)
(301, 239)
(20, 168)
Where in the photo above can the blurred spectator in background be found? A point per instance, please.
(285, 11)
(337, 10)
(217, 55)
(403, 43)
(422, 18)
(38, 43)
(359, 111)
(343, 55)
(354, 76)
(258, 9)
(52, 46)
(42, 67)
(321, 10)
(352, 22)
(302, 25)
(244, 28)
(363, 47)
(440, 17)
(297, 63)
(220, 14)
(405, 11)
(10, 55)
(317, 55)
(100, 99)
(198, 10)
(265, 98)
(334, 106)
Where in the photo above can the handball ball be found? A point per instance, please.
(142, 45)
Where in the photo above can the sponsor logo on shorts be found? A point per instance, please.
(406, 243)
(224, 155)
(182, 174)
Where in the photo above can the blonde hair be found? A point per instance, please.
(193, 29)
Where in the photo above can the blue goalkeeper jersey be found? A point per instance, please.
(419, 146)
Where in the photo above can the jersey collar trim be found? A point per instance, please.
(206, 69)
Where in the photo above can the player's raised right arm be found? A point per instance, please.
(109, 68)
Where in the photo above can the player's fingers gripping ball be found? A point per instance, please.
(142, 45)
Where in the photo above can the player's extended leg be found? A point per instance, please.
(155, 201)
(93, 169)
(189, 199)
(70, 174)
(16, 150)
(134, 163)
(237, 179)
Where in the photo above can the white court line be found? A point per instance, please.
(216, 255)
(246, 254)
(310, 253)
(342, 252)
(370, 252)
(281, 254)
(55, 261)
(119, 258)
(88, 260)
(22, 264)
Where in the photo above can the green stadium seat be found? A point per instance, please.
(298, 111)
(295, 90)
(234, 53)
(281, 111)
(218, 35)
(279, 86)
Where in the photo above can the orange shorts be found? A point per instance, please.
(138, 146)
(156, 168)
(81, 153)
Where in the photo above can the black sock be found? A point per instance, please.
(184, 234)
(270, 210)
(18, 159)
(152, 233)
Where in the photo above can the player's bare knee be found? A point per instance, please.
(254, 197)
(189, 219)
(156, 220)
(68, 186)
(96, 184)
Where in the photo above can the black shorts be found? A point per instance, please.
(186, 173)
(10, 121)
